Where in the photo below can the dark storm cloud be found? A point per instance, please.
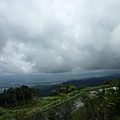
(58, 35)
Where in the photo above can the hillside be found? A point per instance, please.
(105, 100)
(91, 82)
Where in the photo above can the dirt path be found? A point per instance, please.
(78, 103)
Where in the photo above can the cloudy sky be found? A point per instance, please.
(59, 35)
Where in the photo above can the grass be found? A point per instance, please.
(76, 115)
(36, 104)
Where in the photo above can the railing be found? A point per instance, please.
(58, 104)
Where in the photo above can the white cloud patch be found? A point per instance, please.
(58, 35)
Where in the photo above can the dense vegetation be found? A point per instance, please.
(17, 96)
(63, 89)
(99, 103)
(103, 105)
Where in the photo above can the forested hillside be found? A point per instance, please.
(24, 103)
(91, 82)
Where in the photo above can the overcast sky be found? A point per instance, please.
(59, 35)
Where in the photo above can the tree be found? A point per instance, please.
(104, 105)
(19, 95)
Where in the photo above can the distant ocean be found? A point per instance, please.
(8, 80)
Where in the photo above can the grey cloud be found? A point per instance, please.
(59, 36)
(3, 33)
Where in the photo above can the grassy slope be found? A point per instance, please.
(37, 103)
(40, 103)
